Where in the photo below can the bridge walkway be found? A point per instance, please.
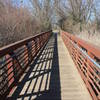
(51, 76)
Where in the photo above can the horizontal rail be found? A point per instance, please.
(16, 57)
(8, 48)
(87, 60)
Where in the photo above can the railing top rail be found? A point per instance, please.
(6, 49)
(90, 48)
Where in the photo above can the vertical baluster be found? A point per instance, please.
(35, 40)
(29, 52)
(17, 68)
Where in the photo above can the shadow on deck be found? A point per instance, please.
(41, 81)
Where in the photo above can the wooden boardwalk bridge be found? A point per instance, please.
(42, 68)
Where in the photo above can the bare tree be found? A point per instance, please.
(77, 11)
(16, 22)
(42, 12)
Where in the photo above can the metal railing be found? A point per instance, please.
(16, 57)
(87, 60)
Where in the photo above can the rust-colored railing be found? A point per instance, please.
(87, 59)
(15, 58)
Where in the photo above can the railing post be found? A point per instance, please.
(16, 65)
(39, 42)
(29, 51)
(35, 40)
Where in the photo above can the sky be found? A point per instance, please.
(28, 4)
(21, 2)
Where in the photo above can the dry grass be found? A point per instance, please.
(91, 38)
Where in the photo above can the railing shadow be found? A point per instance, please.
(41, 81)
